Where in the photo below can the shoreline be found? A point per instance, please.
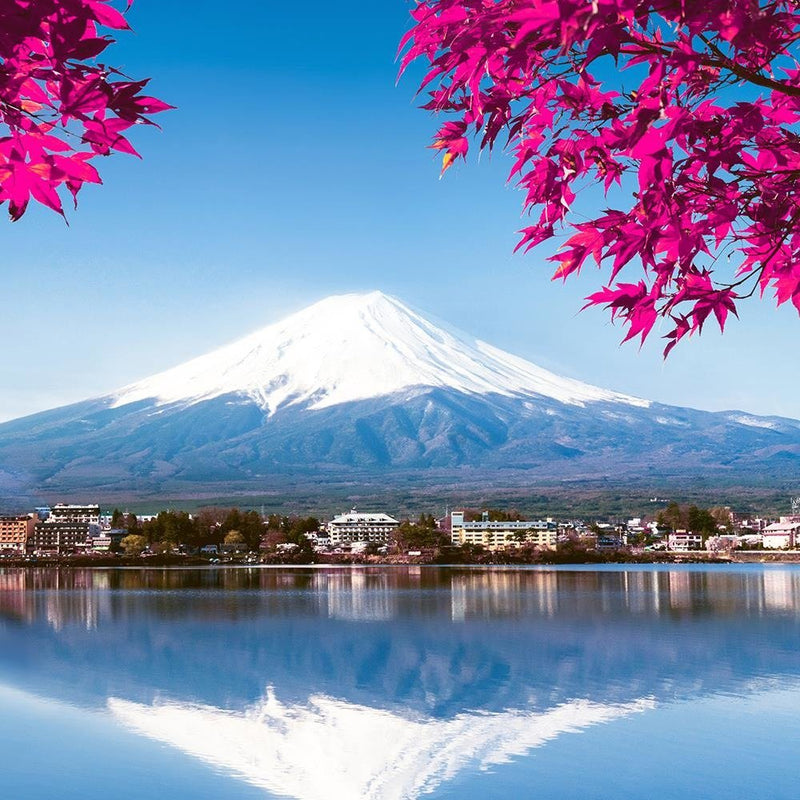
(498, 559)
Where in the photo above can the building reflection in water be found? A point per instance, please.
(60, 597)
(359, 596)
(503, 593)
(680, 590)
(371, 594)
(780, 590)
(83, 596)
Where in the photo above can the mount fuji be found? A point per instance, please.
(352, 348)
(362, 385)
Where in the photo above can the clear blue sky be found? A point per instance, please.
(295, 168)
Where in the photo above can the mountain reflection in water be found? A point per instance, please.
(395, 679)
(329, 748)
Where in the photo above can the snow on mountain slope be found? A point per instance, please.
(355, 347)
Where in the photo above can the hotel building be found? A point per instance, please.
(15, 532)
(359, 527)
(500, 535)
(62, 512)
(58, 538)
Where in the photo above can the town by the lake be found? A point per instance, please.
(80, 533)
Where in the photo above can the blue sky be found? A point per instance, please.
(294, 168)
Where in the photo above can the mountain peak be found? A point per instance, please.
(355, 347)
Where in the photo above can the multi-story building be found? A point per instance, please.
(101, 543)
(360, 527)
(63, 512)
(782, 535)
(683, 541)
(15, 532)
(611, 541)
(58, 538)
(499, 535)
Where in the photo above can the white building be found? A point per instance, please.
(748, 540)
(101, 543)
(499, 535)
(683, 541)
(63, 512)
(361, 527)
(319, 539)
(783, 535)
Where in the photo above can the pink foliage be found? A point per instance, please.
(59, 107)
(706, 128)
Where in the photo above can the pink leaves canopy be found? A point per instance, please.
(59, 106)
(685, 112)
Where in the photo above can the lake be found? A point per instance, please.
(379, 682)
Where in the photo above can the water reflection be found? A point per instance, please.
(329, 748)
(389, 682)
(64, 597)
(371, 594)
(358, 595)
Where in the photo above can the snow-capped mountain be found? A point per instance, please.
(356, 347)
(361, 385)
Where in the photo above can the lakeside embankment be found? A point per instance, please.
(489, 559)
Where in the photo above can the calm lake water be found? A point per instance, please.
(347, 684)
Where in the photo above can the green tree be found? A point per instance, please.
(424, 533)
(722, 516)
(235, 540)
(672, 517)
(170, 527)
(275, 522)
(296, 529)
(133, 544)
(207, 526)
(232, 521)
(252, 527)
(471, 552)
(132, 523)
(701, 520)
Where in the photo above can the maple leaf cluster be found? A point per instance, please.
(60, 107)
(686, 113)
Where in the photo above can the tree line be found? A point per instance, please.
(705, 521)
(212, 526)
